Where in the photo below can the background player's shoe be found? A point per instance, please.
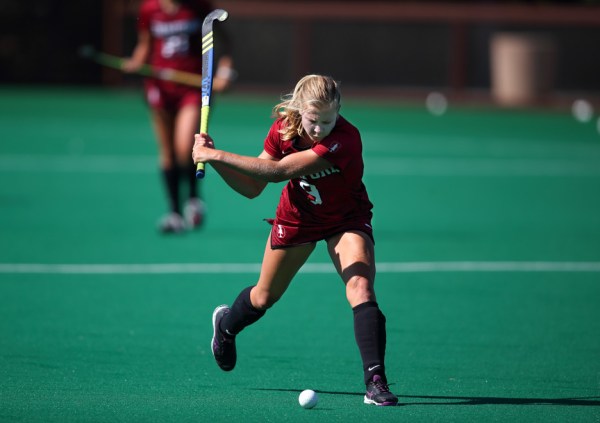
(223, 346)
(193, 212)
(172, 223)
(378, 393)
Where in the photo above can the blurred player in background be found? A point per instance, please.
(320, 153)
(169, 36)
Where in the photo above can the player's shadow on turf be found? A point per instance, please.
(448, 400)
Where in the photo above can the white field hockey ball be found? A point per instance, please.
(308, 398)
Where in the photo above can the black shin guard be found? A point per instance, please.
(171, 180)
(242, 314)
(369, 330)
(192, 181)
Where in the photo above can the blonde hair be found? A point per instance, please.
(311, 91)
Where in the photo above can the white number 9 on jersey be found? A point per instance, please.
(313, 193)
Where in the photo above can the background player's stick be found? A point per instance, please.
(115, 62)
(207, 72)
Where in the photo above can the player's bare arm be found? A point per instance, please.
(263, 168)
(140, 53)
(241, 183)
(292, 166)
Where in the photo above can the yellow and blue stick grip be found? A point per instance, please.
(204, 111)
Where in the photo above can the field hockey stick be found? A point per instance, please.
(207, 72)
(115, 62)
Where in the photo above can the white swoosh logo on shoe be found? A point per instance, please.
(374, 367)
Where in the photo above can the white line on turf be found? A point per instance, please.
(384, 267)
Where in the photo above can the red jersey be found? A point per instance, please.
(176, 39)
(328, 200)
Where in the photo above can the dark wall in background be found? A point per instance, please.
(40, 39)
(409, 54)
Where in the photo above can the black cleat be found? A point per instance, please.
(223, 347)
(378, 393)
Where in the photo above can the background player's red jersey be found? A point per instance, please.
(176, 37)
(330, 197)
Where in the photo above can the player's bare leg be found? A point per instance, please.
(353, 255)
(186, 125)
(164, 124)
(278, 269)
